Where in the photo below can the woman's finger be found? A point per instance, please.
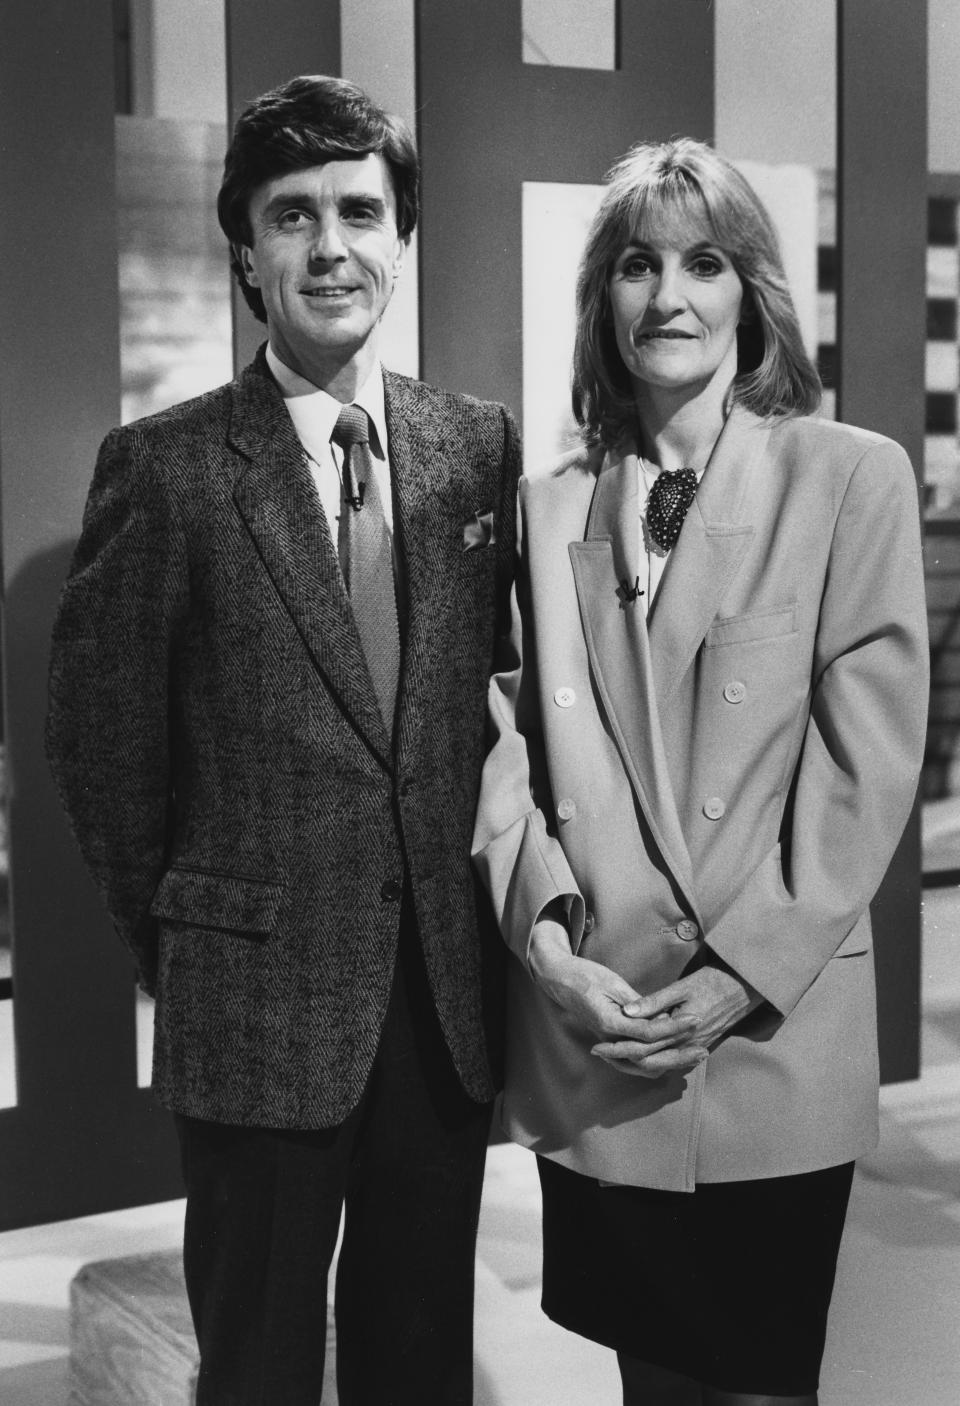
(632, 1058)
(658, 1002)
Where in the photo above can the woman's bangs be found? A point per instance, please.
(672, 211)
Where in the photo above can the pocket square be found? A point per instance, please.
(479, 532)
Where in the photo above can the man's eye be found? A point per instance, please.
(291, 219)
(360, 214)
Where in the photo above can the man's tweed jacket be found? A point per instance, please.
(215, 737)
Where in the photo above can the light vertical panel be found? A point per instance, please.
(556, 218)
(881, 205)
(570, 33)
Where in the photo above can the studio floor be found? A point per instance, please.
(894, 1338)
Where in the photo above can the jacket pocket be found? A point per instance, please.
(856, 942)
(205, 899)
(758, 625)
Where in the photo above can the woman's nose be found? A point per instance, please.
(667, 292)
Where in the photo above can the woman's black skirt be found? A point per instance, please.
(729, 1284)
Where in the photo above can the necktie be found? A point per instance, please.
(366, 558)
(670, 497)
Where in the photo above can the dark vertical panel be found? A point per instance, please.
(82, 1137)
(269, 41)
(882, 216)
(882, 213)
(488, 122)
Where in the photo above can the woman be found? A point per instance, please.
(707, 742)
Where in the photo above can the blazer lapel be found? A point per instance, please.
(421, 472)
(278, 501)
(715, 536)
(619, 652)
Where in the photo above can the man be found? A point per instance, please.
(269, 743)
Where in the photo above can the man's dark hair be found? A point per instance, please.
(306, 122)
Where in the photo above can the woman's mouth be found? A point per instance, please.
(662, 334)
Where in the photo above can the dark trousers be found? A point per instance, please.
(263, 1211)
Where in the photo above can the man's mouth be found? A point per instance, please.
(327, 292)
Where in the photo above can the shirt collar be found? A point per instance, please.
(314, 412)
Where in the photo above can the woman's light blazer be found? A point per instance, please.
(734, 773)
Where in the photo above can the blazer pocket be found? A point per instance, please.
(205, 899)
(759, 625)
(856, 942)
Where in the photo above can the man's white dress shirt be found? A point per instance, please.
(314, 415)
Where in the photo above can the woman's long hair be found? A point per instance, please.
(657, 186)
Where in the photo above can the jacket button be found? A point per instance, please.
(567, 809)
(713, 807)
(735, 691)
(589, 922)
(564, 698)
(687, 930)
(391, 890)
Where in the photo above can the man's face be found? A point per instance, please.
(325, 255)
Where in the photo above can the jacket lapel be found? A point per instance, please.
(278, 501)
(715, 536)
(619, 651)
(421, 469)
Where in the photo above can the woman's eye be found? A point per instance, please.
(634, 267)
(706, 266)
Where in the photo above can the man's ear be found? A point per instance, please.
(402, 246)
(244, 257)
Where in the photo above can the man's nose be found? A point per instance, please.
(327, 246)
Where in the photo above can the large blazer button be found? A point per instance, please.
(687, 930)
(735, 691)
(391, 890)
(713, 807)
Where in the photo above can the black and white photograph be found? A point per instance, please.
(480, 715)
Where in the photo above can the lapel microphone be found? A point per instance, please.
(355, 500)
(629, 594)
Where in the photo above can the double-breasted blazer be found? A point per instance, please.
(731, 777)
(216, 739)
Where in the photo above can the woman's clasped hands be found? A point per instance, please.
(667, 1031)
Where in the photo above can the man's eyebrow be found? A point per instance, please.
(362, 197)
(285, 200)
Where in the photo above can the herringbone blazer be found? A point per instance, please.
(215, 736)
(730, 777)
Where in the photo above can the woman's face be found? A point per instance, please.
(676, 301)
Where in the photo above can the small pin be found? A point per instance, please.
(629, 594)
